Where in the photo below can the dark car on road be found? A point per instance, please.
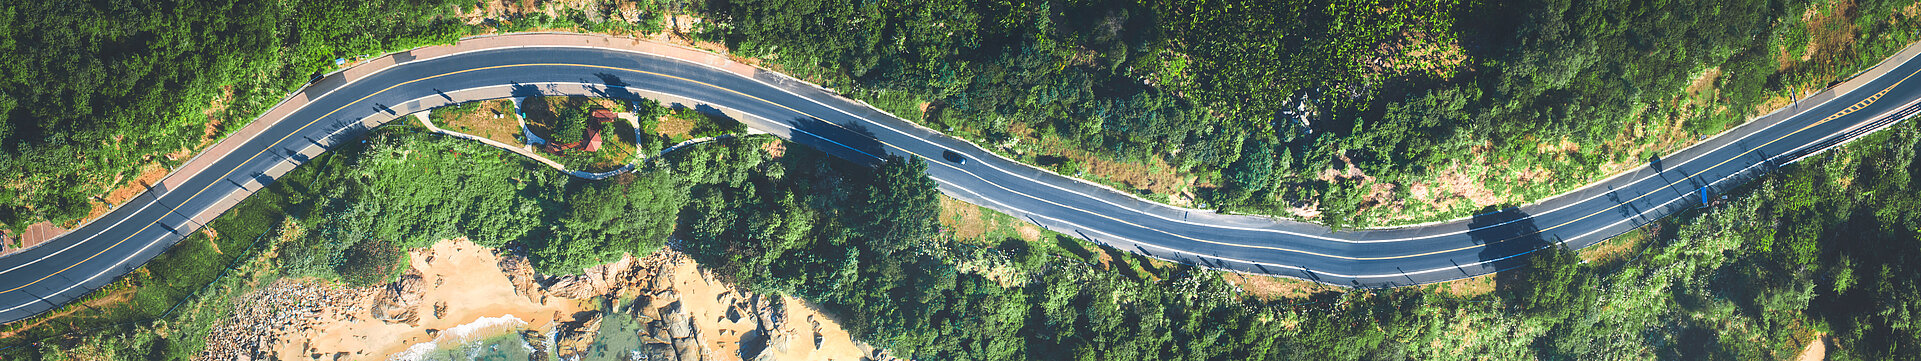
(953, 157)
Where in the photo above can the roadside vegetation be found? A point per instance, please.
(1346, 113)
(495, 120)
(91, 105)
(1819, 251)
(1352, 113)
(1824, 247)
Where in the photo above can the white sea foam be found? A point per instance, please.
(475, 331)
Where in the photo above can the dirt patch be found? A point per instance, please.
(1347, 171)
(674, 127)
(1273, 288)
(962, 218)
(1454, 182)
(1562, 146)
(1417, 52)
(1153, 176)
(110, 299)
(1816, 350)
(1156, 176)
(1029, 232)
(1308, 210)
(1466, 287)
(1381, 195)
(1703, 83)
(1831, 30)
(1535, 175)
(504, 11)
(1648, 138)
(1619, 248)
(150, 174)
(775, 148)
(492, 119)
(211, 132)
(973, 222)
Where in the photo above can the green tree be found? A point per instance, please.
(630, 214)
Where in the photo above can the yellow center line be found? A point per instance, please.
(1862, 104)
(1851, 109)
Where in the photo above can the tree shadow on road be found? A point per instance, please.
(1506, 237)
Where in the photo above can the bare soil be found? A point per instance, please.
(1467, 287)
(1154, 176)
(674, 127)
(1816, 350)
(1273, 288)
(482, 121)
(969, 221)
(1620, 248)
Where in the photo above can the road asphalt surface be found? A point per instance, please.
(93, 255)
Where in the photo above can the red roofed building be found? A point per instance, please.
(592, 137)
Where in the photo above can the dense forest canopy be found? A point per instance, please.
(1261, 96)
(93, 92)
(1346, 108)
(1822, 249)
(1351, 112)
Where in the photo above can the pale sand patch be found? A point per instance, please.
(464, 277)
(1817, 350)
(804, 316)
(708, 300)
(460, 283)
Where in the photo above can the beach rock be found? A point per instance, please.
(686, 349)
(871, 353)
(679, 323)
(575, 287)
(576, 338)
(655, 351)
(521, 274)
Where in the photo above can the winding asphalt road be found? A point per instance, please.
(341, 108)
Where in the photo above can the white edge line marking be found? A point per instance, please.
(1102, 200)
(155, 199)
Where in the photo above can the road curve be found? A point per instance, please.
(344, 106)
